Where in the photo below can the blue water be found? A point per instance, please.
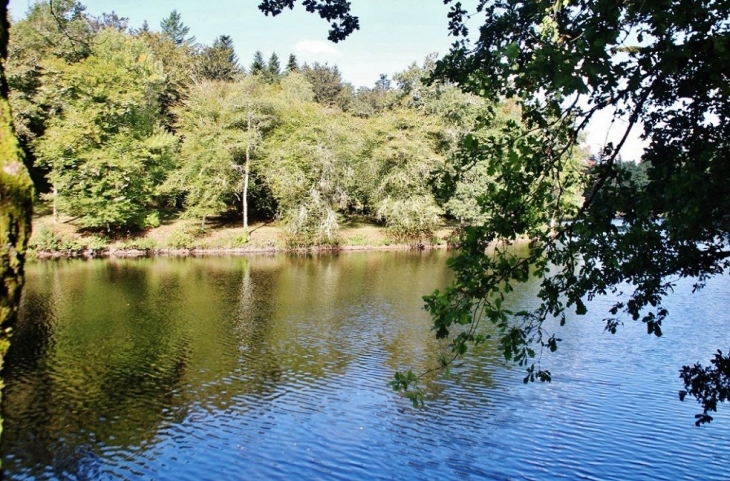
(277, 368)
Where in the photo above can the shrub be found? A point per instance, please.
(185, 237)
(95, 243)
(311, 224)
(239, 240)
(152, 220)
(414, 218)
(140, 243)
(44, 238)
(357, 240)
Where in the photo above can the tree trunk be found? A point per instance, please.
(55, 205)
(246, 171)
(16, 203)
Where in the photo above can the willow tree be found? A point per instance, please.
(16, 194)
(224, 125)
(309, 159)
(399, 159)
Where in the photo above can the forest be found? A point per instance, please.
(124, 129)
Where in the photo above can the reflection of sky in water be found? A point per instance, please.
(277, 367)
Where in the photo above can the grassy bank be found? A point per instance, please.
(63, 238)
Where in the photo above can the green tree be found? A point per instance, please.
(106, 149)
(628, 174)
(175, 30)
(296, 89)
(367, 102)
(111, 20)
(177, 62)
(661, 67)
(258, 66)
(329, 89)
(273, 69)
(225, 43)
(144, 29)
(308, 166)
(462, 190)
(291, 64)
(370, 101)
(41, 42)
(219, 61)
(583, 55)
(223, 125)
(60, 29)
(383, 82)
(400, 157)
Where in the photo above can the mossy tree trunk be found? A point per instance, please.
(16, 194)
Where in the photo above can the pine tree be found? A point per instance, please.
(175, 30)
(219, 62)
(291, 65)
(225, 43)
(258, 65)
(273, 69)
(383, 82)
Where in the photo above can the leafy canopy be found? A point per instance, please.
(105, 148)
(335, 11)
(220, 122)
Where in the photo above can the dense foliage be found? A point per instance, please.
(106, 149)
(660, 67)
(124, 129)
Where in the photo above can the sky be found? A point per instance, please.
(393, 34)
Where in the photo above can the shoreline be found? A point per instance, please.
(184, 238)
(110, 253)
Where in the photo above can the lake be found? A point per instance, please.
(276, 367)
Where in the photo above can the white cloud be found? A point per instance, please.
(315, 47)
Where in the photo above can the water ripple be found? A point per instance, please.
(277, 368)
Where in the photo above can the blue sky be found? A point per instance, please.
(393, 34)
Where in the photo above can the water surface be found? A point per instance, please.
(276, 367)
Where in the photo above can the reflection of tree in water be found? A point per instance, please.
(310, 328)
(134, 351)
(354, 316)
(102, 377)
(335, 317)
(245, 306)
(30, 393)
